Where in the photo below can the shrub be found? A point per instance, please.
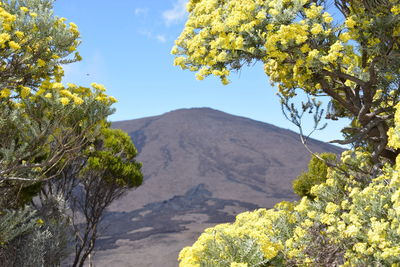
(316, 174)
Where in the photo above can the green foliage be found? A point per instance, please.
(350, 212)
(54, 139)
(352, 57)
(41, 130)
(316, 174)
(115, 159)
(353, 219)
(43, 43)
(232, 249)
(350, 222)
(27, 193)
(14, 223)
(47, 241)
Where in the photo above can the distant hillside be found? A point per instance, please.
(201, 167)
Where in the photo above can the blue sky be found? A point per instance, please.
(126, 46)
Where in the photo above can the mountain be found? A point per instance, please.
(201, 167)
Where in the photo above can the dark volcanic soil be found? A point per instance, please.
(201, 167)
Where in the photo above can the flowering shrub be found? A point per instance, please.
(354, 220)
(351, 214)
(316, 174)
(44, 123)
(250, 240)
(351, 57)
(54, 138)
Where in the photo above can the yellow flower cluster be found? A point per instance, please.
(295, 40)
(257, 225)
(394, 133)
(6, 19)
(211, 39)
(357, 217)
(72, 93)
(16, 25)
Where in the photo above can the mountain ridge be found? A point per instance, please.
(201, 167)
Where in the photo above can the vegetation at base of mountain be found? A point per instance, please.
(316, 174)
(353, 219)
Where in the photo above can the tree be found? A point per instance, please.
(353, 58)
(316, 174)
(352, 217)
(55, 141)
(110, 171)
(36, 126)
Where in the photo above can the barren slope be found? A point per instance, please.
(201, 167)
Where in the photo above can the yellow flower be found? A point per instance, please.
(14, 45)
(19, 34)
(344, 37)
(73, 28)
(112, 99)
(41, 62)
(174, 50)
(351, 231)
(179, 61)
(64, 100)
(313, 11)
(25, 91)
(327, 17)
(236, 264)
(4, 93)
(395, 9)
(360, 247)
(312, 214)
(316, 29)
(77, 100)
(48, 95)
(72, 85)
(40, 221)
(331, 208)
(224, 81)
(65, 92)
(7, 26)
(97, 86)
(57, 86)
(313, 53)
(33, 14)
(337, 46)
(328, 219)
(302, 206)
(24, 9)
(4, 37)
(350, 23)
(305, 48)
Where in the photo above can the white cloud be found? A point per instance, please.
(176, 14)
(140, 11)
(161, 38)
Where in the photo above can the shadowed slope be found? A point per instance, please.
(201, 167)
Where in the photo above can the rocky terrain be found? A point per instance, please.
(201, 167)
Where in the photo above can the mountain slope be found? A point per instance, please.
(201, 167)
